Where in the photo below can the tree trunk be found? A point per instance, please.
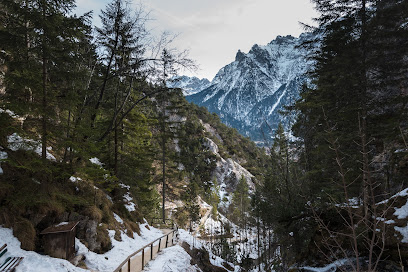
(44, 91)
(116, 152)
(164, 163)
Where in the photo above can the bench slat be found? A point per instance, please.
(10, 264)
(5, 263)
(3, 252)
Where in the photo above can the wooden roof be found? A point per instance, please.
(60, 228)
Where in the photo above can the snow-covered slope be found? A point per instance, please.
(256, 86)
(189, 85)
(228, 171)
(95, 262)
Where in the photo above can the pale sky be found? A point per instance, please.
(214, 30)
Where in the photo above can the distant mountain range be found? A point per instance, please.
(249, 93)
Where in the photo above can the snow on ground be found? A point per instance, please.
(130, 205)
(329, 268)
(172, 259)
(402, 212)
(117, 218)
(96, 161)
(16, 142)
(3, 156)
(215, 226)
(354, 202)
(74, 179)
(404, 233)
(400, 193)
(225, 170)
(10, 113)
(245, 241)
(197, 243)
(110, 260)
(107, 262)
(32, 262)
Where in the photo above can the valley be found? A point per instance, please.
(294, 157)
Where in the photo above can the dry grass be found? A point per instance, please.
(103, 238)
(25, 232)
(94, 213)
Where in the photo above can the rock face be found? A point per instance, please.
(227, 172)
(252, 90)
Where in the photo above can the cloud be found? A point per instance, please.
(214, 30)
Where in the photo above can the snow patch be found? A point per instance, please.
(400, 193)
(404, 233)
(3, 156)
(122, 185)
(117, 218)
(329, 268)
(74, 179)
(352, 202)
(96, 161)
(277, 102)
(9, 112)
(180, 167)
(130, 205)
(16, 142)
(402, 212)
(197, 243)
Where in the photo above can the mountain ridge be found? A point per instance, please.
(249, 93)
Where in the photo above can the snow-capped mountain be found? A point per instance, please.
(254, 88)
(189, 85)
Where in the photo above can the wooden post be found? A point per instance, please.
(158, 250)
(142, 258)
(151, 251)
(129, 265)
(167, 239)
(172, 238)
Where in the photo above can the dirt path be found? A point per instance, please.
(137, 262)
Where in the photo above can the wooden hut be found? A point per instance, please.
(59, 240)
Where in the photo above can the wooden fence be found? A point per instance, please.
(137, 261)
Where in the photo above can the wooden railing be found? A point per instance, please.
(137, 261)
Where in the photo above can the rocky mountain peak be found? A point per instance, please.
(253, 89)
(283, 39)
(239, 56)
(189, 85)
